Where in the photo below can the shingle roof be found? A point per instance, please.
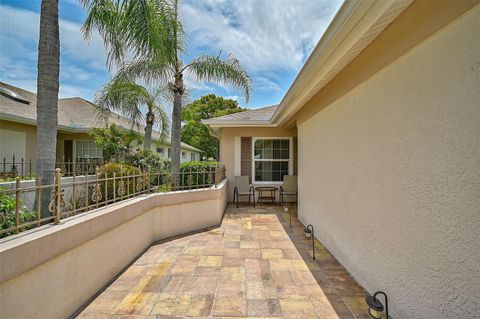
(74, 114)
(254, 115)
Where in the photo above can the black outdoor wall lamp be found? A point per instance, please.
(375, 306)
(309, 233)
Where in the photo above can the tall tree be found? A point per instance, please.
(199, 135)
(162, 50)
(47, 95)
(130, 99)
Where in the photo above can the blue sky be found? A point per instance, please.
(271, 38)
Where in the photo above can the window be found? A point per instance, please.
(87, 150)
(160, 150)
(192, 156)
(271, 159)
(169, 153)
(184, 155)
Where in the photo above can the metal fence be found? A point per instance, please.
(27, 169)
(83, 193)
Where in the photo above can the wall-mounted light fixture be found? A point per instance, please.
(375, 306)
(309, 233)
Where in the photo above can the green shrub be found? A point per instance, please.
(108, 169)
(115, 142)
(146, 159)
(200, 173)
(7, 213)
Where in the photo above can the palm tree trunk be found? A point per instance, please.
(47, 96)
(148, 131)
(176, 137)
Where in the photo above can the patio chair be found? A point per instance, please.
(289, 187)
(243, 188)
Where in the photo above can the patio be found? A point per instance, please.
(254, 265)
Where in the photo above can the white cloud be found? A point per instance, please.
(80, 60)
(73, 91)
(264, 35)
(263, 83)
(271, 38)
(21, 27)
(232, 97)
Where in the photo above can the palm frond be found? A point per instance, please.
(162, 120)
(151, 71)
(106, 17)
(223, 71)
(138, 28)
(122, 96)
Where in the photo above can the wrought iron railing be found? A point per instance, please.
(27, 169)
(79, 194)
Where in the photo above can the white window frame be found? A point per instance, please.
(290, 158)
(75, 155)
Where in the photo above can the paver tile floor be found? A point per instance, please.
(253, 266)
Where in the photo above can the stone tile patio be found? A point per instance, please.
(253, 266)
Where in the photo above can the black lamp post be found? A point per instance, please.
(375, 306)
(309, 233)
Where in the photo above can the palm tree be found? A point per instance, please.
(47, 96)
(129, 98)
(158, 55)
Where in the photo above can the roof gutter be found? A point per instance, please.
(24, 120)
(253, 123)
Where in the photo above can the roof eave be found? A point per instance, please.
(24, 120)
(252, 123)
(355, 25)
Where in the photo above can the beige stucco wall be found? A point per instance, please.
(389, 175)
(27, 142)
(227, 146)
(51, 271)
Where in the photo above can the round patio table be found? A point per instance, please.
(266, 193)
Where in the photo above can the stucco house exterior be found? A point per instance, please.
(382, 126)
(76, 117)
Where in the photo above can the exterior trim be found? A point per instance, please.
(290, 155)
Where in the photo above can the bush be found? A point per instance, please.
(199, 170)
(7, 214)
(115, 143)
(108, 169)
(146, 159)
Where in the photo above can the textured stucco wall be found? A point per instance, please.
(7, 145)
(389, 175)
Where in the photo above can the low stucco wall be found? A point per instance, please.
(389, 175)
(51, 271)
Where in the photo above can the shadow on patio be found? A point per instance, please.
(253, 265)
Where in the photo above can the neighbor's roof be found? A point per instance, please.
(75, 114)
(354, 27)
(253, 116)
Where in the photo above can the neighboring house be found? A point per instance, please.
(386, 112)
(76, 117)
